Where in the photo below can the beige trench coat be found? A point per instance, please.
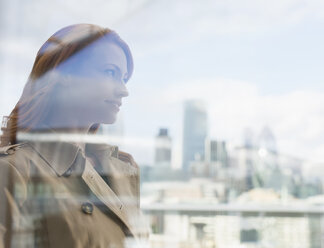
(51, 195)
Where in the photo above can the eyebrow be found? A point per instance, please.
(117, 68)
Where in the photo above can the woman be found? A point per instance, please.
(57, 190)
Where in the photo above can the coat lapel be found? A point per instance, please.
(104, 193)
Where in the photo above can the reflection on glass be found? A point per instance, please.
(204, 186)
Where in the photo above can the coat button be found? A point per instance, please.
(68, 173)
(87, 208)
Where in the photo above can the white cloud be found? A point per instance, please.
(161, 25)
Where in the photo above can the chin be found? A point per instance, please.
(110, 120)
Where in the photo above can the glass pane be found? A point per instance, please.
(161, 123)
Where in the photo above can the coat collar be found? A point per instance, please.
(58, 155)
(61, 155)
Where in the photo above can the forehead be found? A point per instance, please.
(95, 58)
(102, 53)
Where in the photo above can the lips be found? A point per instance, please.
(114, 104)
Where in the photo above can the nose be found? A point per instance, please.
(121, 90)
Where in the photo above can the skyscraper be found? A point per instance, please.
(194, 132)
(215, 151)
(267, 140)
(163, 148)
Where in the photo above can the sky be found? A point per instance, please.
(255, 63)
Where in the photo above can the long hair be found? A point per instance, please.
(34, 103)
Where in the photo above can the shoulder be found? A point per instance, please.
(126, 157)
(15, 154)
(14, 163)
(10, 149)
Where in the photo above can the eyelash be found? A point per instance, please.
(109, 72)
(114, 75)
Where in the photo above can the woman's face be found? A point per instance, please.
(94, 91)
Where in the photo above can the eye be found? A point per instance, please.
(110, 72)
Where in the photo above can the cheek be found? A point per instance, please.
(96, 91)
(87, 100)
(94, 99)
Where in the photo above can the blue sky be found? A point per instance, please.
(278, 58)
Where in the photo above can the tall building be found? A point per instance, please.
(215, 151)
(194, 132)
(163, 146)
(248, 138)
(267, 140)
